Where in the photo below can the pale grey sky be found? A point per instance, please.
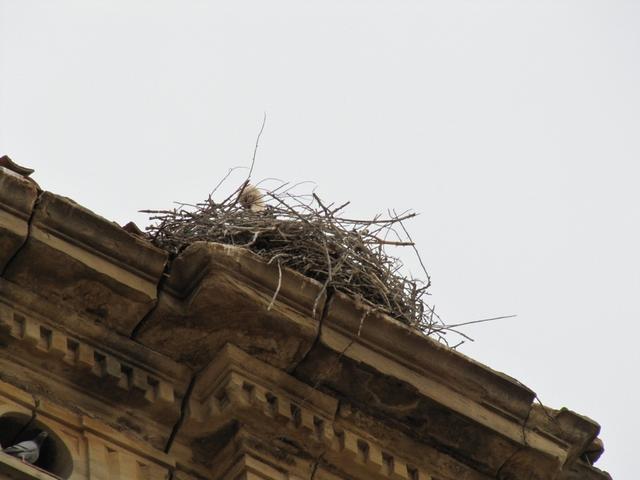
(512, 126)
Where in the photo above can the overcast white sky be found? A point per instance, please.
(512, 126)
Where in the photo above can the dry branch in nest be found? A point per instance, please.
(305, 234)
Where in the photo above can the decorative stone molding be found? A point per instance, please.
(83, 356)
(327, 389)
(225, 291)
(482, 415)
(15, 469)
(217, 294)
(235, 380)
(86, 358)
(98, 452)
(93, 377)
(78, 258)
(17, 197)
(108, 461)
(237, 387)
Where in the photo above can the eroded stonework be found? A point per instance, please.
(142, 369)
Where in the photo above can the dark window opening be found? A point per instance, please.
(54, 456)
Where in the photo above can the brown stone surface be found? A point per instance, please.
(9, 164)
(291, 418)
(88, 366)
(577, 431)
(75, 257)
(12, 468)
(427, 356)
(95, 451)
(17, 197)
(235, 381)
(437, 395)
(217, 294)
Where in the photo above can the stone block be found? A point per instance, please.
(17, 197)
(74, 257)
(218, 294)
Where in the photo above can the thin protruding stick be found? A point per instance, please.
(275, 294)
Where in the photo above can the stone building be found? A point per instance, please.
(143, 371)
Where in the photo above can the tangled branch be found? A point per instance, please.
(305, 234)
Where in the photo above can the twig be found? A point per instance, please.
(308, 235)
(255, 149)
(424, 269)
(275, 294)
(449, 327)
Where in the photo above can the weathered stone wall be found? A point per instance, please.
(143, 369)
(95, 450)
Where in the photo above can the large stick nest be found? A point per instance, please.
(312, 237)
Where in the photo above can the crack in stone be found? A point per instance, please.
(315, 468)
(524, 426)
(317, 460)
(323, 316)
(506, 462)
(26, 239)
(143, 321)
(320, 457)
(521, 448)
(183, 412)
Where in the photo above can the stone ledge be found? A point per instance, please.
(66, 320)
(582, 471)
(217, 294)
(88, 439)
(17, 198)
(426, 356)
(117, 379)
(371, 352)
(200, 294)
(421, 407)
(260, 398)
(75, 257)
(136, 385)
(576, 430)
(12, 468)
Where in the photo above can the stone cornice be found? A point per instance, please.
(217, 294)
(92, 366)
(22, 301)
(85, 437)
(82, 306)
(17, 197)
(496, 406)
(378, 332)
(78, 258)
(238, 388)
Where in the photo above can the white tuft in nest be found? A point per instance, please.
(252, 199)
